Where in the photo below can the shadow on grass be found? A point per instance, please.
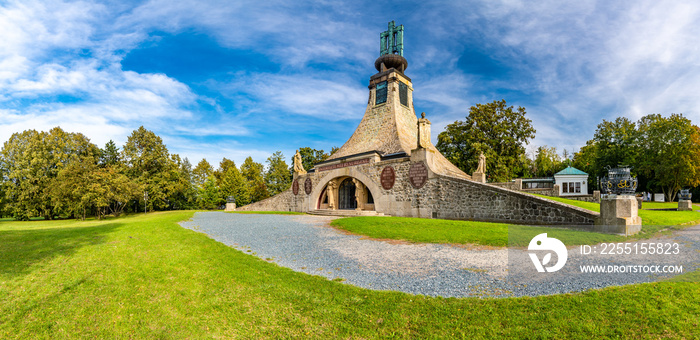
(20, 249)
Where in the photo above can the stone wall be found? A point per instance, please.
(283, 201)
(584, 198)
(553, 192)
(513, 185)
(462, 199)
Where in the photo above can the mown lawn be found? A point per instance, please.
(462, 232)
(146, 277)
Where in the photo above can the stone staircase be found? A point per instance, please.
(328, 212)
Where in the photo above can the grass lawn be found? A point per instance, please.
(146, 277)
(267, 212)
(462, 232)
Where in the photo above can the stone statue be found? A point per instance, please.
(482, 164)
(359, 193)
(330, 192)
(298, 165)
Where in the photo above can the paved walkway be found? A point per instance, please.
(307, 244)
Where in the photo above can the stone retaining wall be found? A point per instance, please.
(462, 199)
(280, 202)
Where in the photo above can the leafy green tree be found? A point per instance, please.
(31, 161)
(202, 172)
(253, 173)
(233, 183)
(309, 157)
(278, 177)
(616, 144)
(495, 129)
(82, 186)
(671, 149)
(224, 165)
(148, 163)
(209, 195)
(547, 162)
(586, 160)
(182, 193)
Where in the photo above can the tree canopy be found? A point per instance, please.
(497, 130)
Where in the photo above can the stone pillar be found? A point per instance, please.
(618, 214)
(685, 205)
(230, 207)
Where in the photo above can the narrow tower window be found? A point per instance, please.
(381, 93)
(403, 94)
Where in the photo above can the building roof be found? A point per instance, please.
(571, 171)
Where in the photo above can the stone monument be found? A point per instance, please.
(230, 204)
(389, 166)
(684, 202)
(480, 174)
(618, 205)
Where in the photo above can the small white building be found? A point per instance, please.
(571, 182)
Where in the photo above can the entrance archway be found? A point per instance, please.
(346, 195)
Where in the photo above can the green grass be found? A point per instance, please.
(654, 218)
(462, 232)
(267, 212)
(146, 277)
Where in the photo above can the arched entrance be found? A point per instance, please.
(346, 195)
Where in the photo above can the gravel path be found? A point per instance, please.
(307, 244)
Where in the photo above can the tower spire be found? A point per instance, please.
(391, 49)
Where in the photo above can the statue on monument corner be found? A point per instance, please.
(481, 168)
(298, 165)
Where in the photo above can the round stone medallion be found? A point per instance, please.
(388, 178)
(418, 174)
(295, 187)
(307, 185)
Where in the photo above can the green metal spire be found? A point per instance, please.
(391, 40)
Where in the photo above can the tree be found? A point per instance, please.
(671, 149)
(278, 177)
(82, 185)
(547, 162)
(309, 157)
(181, 192)
(209, 195)
(31, 161)
(202, 172)
(253, 173)
(494, 129)
(148, 163)
(110, 154)
(586, 160)
(233, 183)
(616, 144)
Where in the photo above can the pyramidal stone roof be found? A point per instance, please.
(391, 127)
(571, 171)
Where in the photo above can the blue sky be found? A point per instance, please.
(246, 78)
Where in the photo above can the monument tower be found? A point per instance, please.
(390, 166)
